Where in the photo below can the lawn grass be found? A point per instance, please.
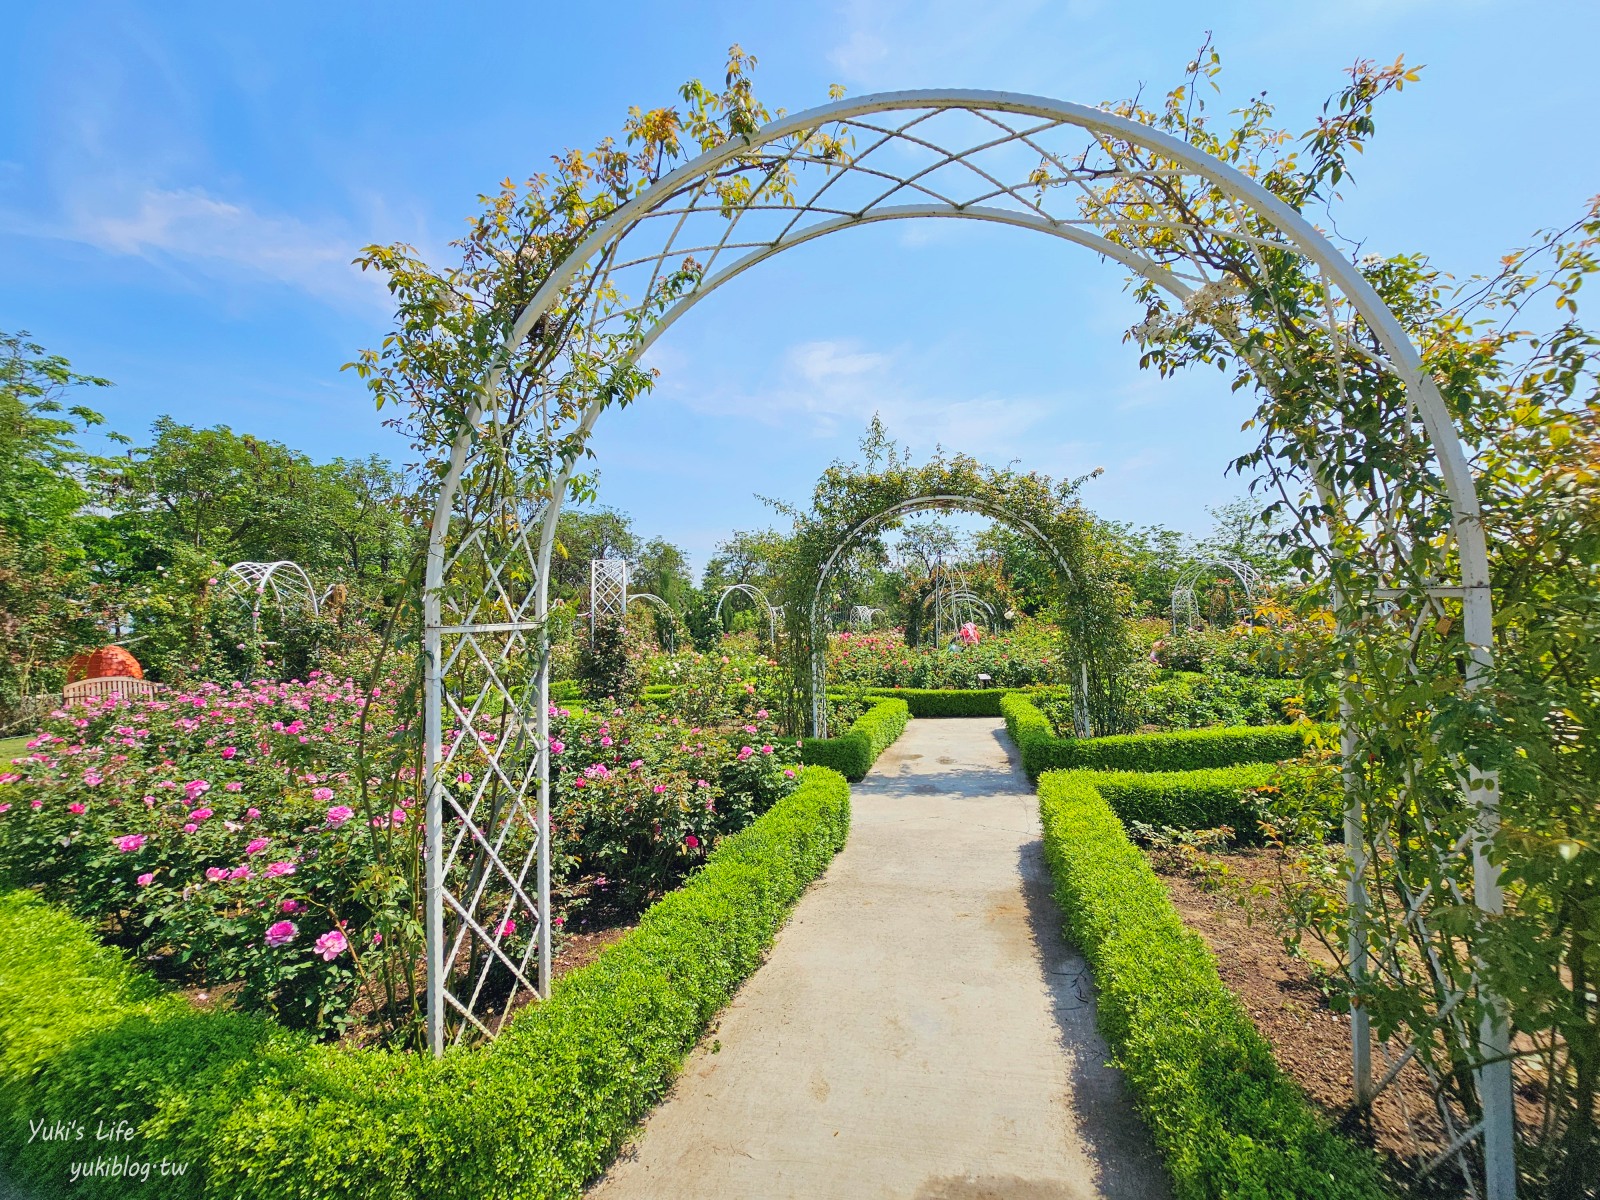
(11, 748)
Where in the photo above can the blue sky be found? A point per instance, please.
(182, 187)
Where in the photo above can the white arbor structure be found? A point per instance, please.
(283, 583)
(608, 591)
(666, 610)
(1080, 175)
(1185, 608)
(763, 605)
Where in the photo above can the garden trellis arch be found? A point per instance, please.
(665, 610)
(755, 594)
(937, 502)
(284, 581)
(1084, 175)
(1183, 590)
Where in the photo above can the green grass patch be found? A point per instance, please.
(1226, 1120)
(258, 1113)
(12, 748)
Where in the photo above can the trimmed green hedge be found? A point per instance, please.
(1185, 750)
(945, 702)
(1185, 799)
(258, 1113)
(853, 753)
(1226, 1120)
(565, 691)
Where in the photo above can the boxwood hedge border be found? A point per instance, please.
(1225, 1119)
(260, 1113)
(853, 753)
(1185, 750)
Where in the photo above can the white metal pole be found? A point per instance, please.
(433, 817)
(1483, 793)
(1355, 898)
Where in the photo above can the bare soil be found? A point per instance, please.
(1237, 914)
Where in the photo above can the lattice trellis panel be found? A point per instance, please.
(488, 799)
(608, 591)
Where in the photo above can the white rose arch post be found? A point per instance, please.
(1111, 185)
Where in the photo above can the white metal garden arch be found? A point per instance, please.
(940, 502)
(756, 594)
(1183, 590)
(666, 610)
(285, 583)
(975, 155)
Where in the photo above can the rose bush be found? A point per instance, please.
(884, 660)
(228, 834)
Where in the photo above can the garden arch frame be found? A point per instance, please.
(938, 502)
(251, 581)
(1249, 579)
(756, 594)
(636, 273)
(666, 610)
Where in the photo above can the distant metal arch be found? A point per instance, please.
(286, 582)
(943, 502)
(1184, 606)
(759, 597)
(671, 614)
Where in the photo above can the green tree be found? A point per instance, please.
(47, 602)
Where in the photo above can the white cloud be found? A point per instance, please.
(829, 387)
(196, 231)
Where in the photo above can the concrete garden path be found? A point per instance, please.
(920, 1030)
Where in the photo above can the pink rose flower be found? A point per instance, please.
(290, 906)
(507, 927)
(234, 786)
(339, 813)
(659, 788)
(199, 814)
(691, 841)
(331, 944)
(240, 872)
(250, 814)
(146, 879)
(216, 874)
(556, 747)
(128, 843)
(75, 809)
(280, 868)
(257, 845)
(322, 794)
(229, 751)
(281, 933)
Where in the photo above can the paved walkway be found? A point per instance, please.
(920, 1031)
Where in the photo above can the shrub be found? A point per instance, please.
(1201, 799)
(258, 1113)
(884, 660)
(640, 802)
(611, 663)
(1223, 1116)
(944, 702)
(853, 754)
(1186, 750)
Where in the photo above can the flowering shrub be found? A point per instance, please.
(226, 832)
(884, 660)
(638, 803)
(223, 829)
(725, 685)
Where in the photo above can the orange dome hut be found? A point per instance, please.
(106, 662)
